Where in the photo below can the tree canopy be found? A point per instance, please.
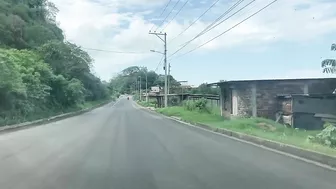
(126, 80)
(40, 72)
(329, 65)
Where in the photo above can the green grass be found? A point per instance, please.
(259, 127)
(147, 104)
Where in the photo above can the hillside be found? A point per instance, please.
(41, 74)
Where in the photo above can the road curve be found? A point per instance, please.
(124, 147)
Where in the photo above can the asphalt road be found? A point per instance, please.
(124, 147)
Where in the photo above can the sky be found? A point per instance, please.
(288, 39)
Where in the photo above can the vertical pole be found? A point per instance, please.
(165, 65)
(146, 88)
(140, 89)
(168, 78)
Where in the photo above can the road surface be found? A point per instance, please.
(124, 147)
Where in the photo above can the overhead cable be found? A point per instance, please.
(164, 9)
(196, 20)
(167, 15)
(178, 12)
(269, 4)
(113, 51)
(212, 26)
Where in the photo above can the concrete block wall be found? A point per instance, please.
(258, 98)
(267, 104)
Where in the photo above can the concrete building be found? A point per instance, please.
(259, 98)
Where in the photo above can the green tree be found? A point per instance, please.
(40, 73)
(329, 65)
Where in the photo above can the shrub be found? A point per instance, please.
(174, 101)
(200, 105)
(326, 137)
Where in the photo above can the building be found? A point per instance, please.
(259, 98)
(306, 111)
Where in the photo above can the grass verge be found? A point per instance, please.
(259, 127)
(147, 104)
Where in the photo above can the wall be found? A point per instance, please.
(267, 104)
(266, 91)
(302, 104)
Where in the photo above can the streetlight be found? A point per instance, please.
(156, 51)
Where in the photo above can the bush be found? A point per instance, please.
(174, 101)
(326, 137)
(200, 105)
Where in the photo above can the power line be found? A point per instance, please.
(196, 20)
(157, 67)
(178, 12)
(219, 18)
(168, 15)
(269, 4)
(164, 9)
(112, 51)
(212, 26)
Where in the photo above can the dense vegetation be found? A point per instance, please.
(40, 73)
(126, 82)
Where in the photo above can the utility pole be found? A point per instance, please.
(146, 88)
(165, 63)
(140, 88)
(168, 78)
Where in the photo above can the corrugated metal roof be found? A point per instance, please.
(264, 80)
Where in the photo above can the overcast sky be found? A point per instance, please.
(289, 39)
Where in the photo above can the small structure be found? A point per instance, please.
(306, 111)
(258, 98)
(177, 99)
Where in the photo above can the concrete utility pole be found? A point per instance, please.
(165, 63)
(168, 78)
(146, 88)
(140, 88)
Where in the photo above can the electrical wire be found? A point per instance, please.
(157, 67)
(209, 27)
(214, 26)
(178, 12)
(196, 20)
(112, 51)
(164, 9)
(167, 15)
(220, 17)
(269, 4)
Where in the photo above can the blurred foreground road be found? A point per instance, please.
(124, 147)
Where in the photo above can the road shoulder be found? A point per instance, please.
(319, 159)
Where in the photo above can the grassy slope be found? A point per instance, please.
(263, 128)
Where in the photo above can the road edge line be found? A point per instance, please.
(320, 160)
(40, 122)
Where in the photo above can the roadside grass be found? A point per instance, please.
(147, 104)
(259, 127)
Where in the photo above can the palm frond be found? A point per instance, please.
(333, 47)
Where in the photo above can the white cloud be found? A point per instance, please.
(102, 24)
